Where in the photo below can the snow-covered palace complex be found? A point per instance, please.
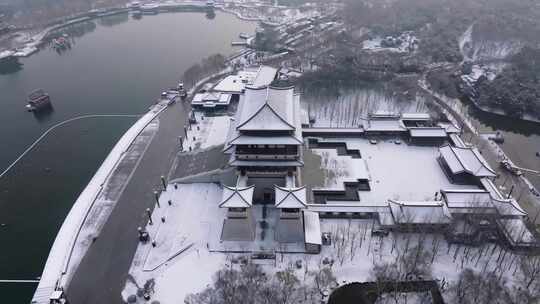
(402, 170)
(260, 177)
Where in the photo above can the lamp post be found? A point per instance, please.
(156, 196)
(163, 183)
(149, 213)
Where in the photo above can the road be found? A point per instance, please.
(103, 271)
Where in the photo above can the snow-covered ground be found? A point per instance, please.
(354, 257)
(389, 167)
(476, 50)
(489, 70)
(275, 14)
(180, 263)
(404, 43)
(209, 131)
(352, 109)
(339, 169)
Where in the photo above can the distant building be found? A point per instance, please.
(253, 77)
(211, 100)
(230, 88)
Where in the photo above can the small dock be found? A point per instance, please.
(516, 170)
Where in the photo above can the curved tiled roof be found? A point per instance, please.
(237, 197)
(290, 197)
(267, 108)
(467, 160)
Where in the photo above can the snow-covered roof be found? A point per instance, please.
(264, 163)
(385, 125)
(211, 97)
(267, 108)
(258, 140)
(456, 140)
(508, 207)
(449, 127)
(259, 77)
(347, 206)
(290, 197)
(516, 231)
(491, 188)
(384, 114)
(467, 160)
(274, 111)
(415, 116)
(428, 132)
(236, 83)
(467, 198)
(264, 77)
(237, 197)
(312, 228)
(432, 212)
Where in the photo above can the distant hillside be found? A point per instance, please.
(516, 90)
(38, 12)
(501, 27)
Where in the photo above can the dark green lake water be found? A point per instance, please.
(116, 65)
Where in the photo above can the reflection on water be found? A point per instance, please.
(10, 66)
(44, 115)
(114, 19)
(521, 138)
(210, 14)
(68, 36)
(136, 16)
(491, 122)
(75, 30)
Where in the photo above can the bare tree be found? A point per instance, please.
(530, 268)
(324, 280)
(478, 288)
(287, 284)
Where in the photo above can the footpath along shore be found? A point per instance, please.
(56, 271)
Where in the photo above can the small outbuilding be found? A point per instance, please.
(312, 232)
(239, 224)
(211, 100)
(432, 136)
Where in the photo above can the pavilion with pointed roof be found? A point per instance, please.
(290, 198)
(236, 197)
(239, 224)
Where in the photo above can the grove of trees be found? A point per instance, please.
(517, 89)
(248, 283)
